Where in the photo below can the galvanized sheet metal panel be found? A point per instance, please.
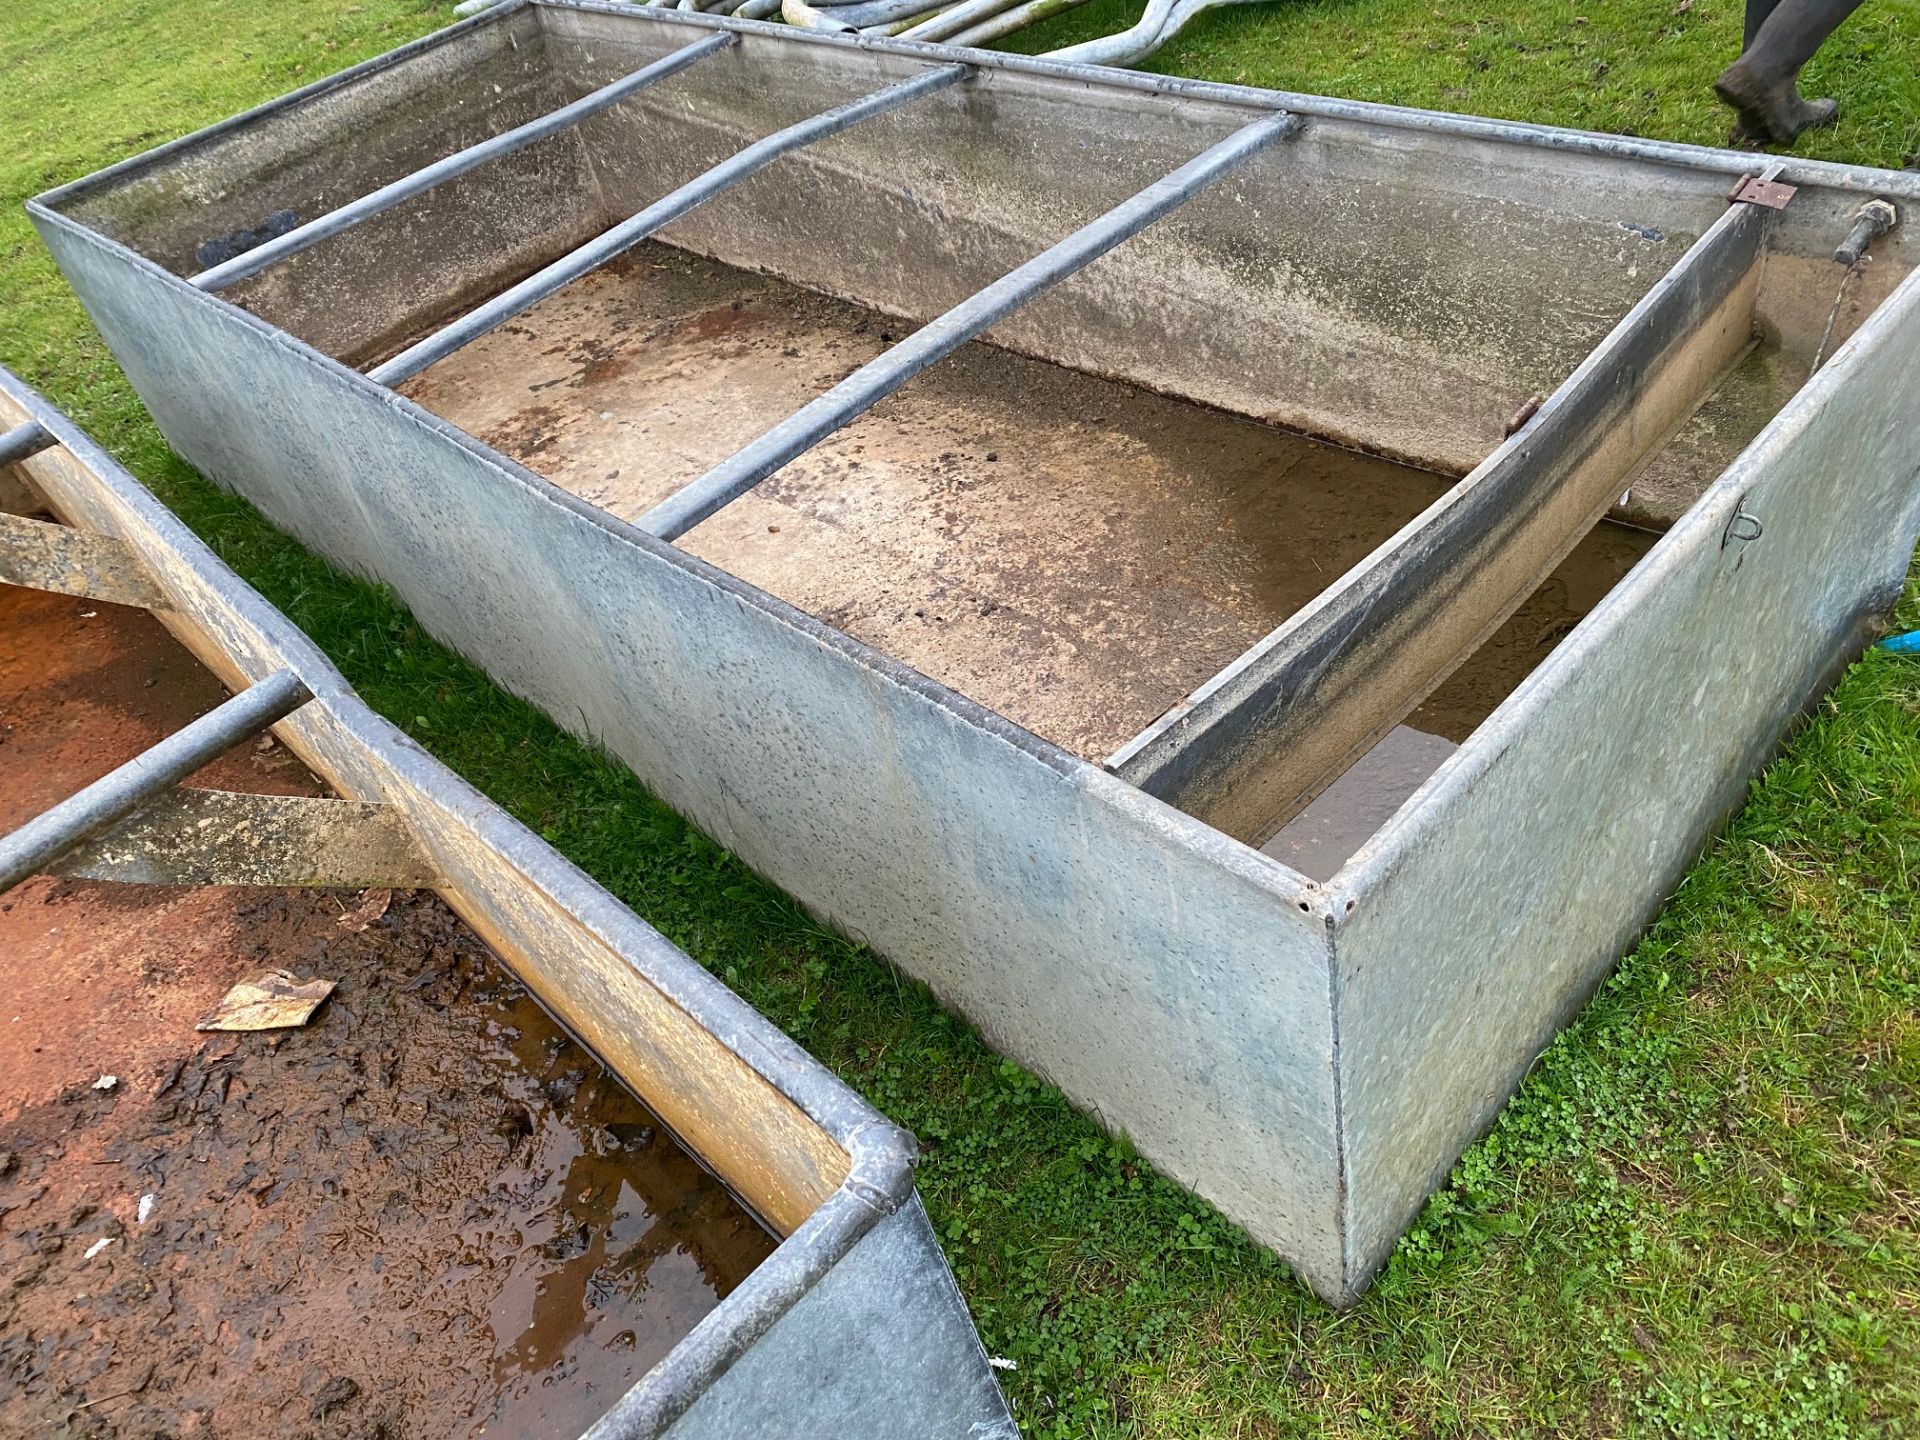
(1268, 296)
(1504, 892)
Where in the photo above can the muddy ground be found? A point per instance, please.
(427, 1213)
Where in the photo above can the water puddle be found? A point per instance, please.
(1344, 816)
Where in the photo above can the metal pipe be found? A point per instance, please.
(23, 442)
(116, 795)
(854, 16)
(661, 213)
(900, 27)
(240, 267)
(1158, 23)
(1018, 18)
(886, 373)
(952, 21)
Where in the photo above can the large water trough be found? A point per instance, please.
(1255, 598)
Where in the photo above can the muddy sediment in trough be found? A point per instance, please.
(427, 1212)
(1075, 553)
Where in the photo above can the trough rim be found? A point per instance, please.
(882, 1155)
(1708, 159)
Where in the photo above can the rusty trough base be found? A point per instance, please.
(853, 1326)
(1310, 1057)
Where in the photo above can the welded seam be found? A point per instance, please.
(1342, 1180)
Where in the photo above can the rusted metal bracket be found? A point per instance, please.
(1763, 190)
(219, 837)
(44, 556)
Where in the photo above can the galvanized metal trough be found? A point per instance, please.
(853, 1326)
(1222, 686)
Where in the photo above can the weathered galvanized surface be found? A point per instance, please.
(1392, 279)
(216, 837)
(618, 239)
(495, 147)
(1257, 742)
(1169, 979)
(802, 1149)
(1475, 924)
(366, 286)
(72, 562)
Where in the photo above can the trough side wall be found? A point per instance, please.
(353, 133)
(1505, 891)
(1163, 976)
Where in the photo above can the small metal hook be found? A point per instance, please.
(1741, 526)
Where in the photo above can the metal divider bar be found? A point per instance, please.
(662, 212)
(218, 837)
(241, 267)
(884, 374)
(23, 442)
(116, 795)
(1247, 750)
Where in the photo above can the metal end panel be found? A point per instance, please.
(1538, 852)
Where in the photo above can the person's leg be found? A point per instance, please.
(1760, 85)
(1757, 13)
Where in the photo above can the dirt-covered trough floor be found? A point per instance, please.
(426, 1213)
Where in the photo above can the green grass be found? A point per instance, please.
(1698, 1218)
(1636, 67)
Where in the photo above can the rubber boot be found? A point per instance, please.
(1782, 35)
